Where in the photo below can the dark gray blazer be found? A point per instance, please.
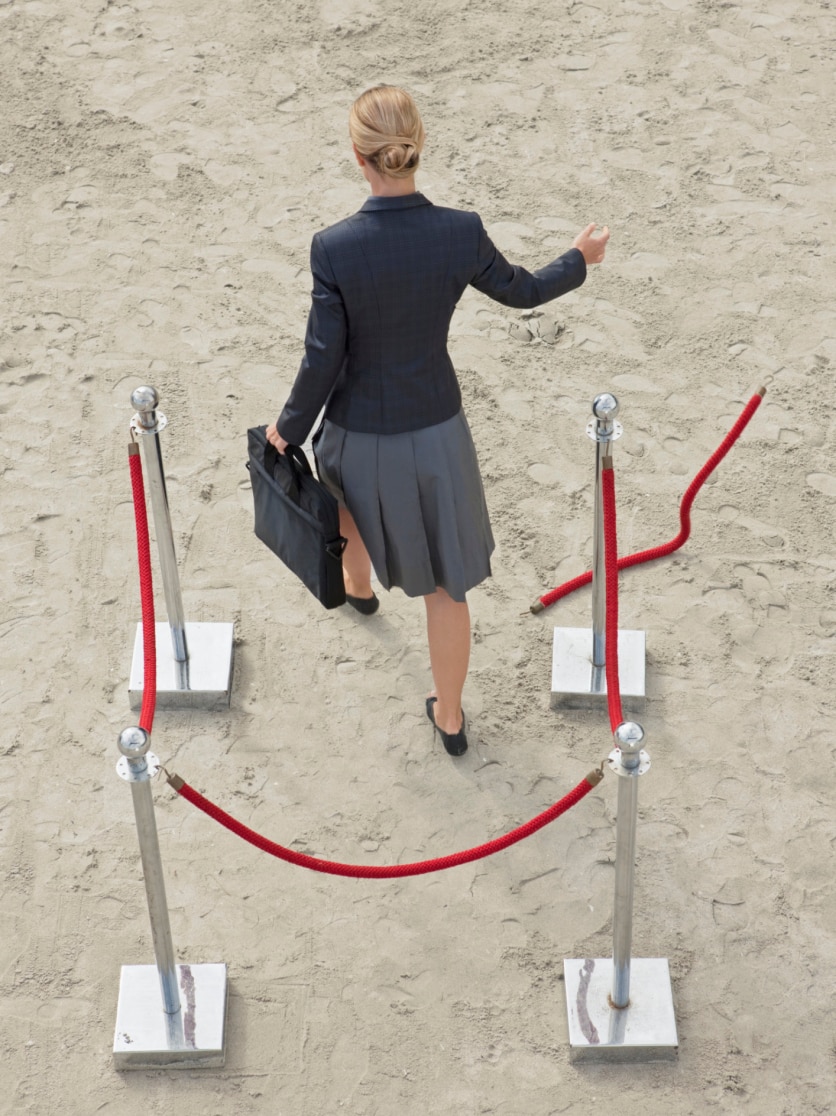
(385, 284)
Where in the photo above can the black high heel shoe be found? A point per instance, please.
(366, 605)
(454, 742)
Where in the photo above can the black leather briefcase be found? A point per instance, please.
(297, 517)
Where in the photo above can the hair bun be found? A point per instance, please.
(398, 157)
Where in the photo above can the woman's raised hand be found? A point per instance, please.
(592, 247)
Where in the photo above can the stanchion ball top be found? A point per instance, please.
(145, 398)
(134, 742)
(629, 736)
(605, 406)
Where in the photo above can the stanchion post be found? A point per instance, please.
(137, 767)
(148, 422)
(579, 675)
(609, 1020)
(629, 762)
(152, 1028)
(197, 670)
(604, 430)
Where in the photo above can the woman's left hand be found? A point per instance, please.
(275, 438)
(592, 247)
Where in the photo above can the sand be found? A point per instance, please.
(163, 168)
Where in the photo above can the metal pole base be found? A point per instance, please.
(203, 682)
(644, 1031)
(577, 684)
(193, 1038)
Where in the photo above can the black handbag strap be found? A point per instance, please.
(336, 546)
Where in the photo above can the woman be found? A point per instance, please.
(394, 445)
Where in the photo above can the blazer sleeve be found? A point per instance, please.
(514, 286)
(325, 351)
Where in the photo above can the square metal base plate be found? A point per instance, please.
(204, 682)
(577, 684)
(193, 1038)
(644, 1031)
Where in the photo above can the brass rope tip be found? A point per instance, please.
(132, 446)
(761, 392)
(538, 606)
(606, 462)
(174, 781)
(595, 777)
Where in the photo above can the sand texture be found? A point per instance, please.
(163, 167)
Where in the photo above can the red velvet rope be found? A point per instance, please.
(675, 543)
(611, 568)
(143, 548)
(383, 871)
(146, 721)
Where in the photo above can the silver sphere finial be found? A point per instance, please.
(134, 742)
(605, 406)
(145, 398)
(629, 736)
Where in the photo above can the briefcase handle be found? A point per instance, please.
(295, 461)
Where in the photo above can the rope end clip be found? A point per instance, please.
(174, 781)
(595, 777)
(538, 606)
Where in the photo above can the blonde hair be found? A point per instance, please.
(385, 127)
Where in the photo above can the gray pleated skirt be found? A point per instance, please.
(418, 503)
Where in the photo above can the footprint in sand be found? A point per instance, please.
(570, 478)
(824, 483)
(272, 214)
(630, 383)
(644, 265)
(827, 622)
(156, 311)
(223, 174)
(165, 105)
(81, 195)
(285, 91)
(283, 272)
(731, 514)
(348, 17)
(120, 261)
(575, 63)
(758, 588)
(194, 338)
(514, 403)
(789, 437)
(166, 165)
(52, 322)
(589, 339)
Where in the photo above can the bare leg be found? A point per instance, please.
(448, 634)
(357, 566)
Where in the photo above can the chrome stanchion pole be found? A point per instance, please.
(197, 670)
(603, 429)
(137, 767)
(608, 1019)
(629, 761)
(152, 1027)
(148, 422)
(579, 655)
